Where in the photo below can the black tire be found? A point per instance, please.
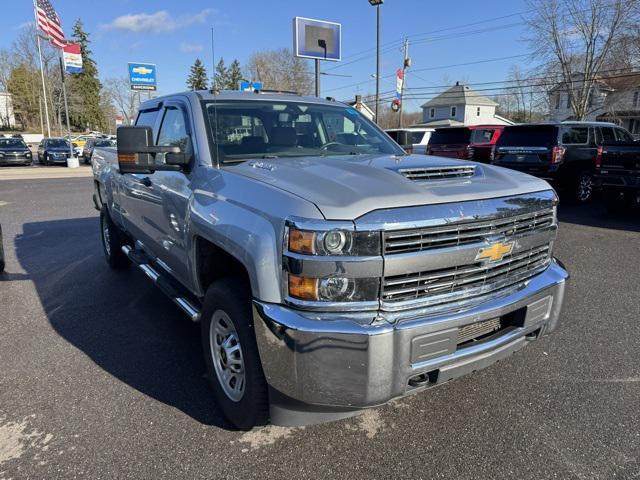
(584, 187)
(232, 297)
(112, 241)
(46, 159)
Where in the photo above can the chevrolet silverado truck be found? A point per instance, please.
(618, 172)
(330, 271)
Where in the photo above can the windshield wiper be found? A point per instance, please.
(265, 156)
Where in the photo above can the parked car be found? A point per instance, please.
(53, 150)
(562, 153)
(13, 151)
(471, 143)
(412, 139)
(79, 142)
(330, 271)
(92, 143)
(618, 170)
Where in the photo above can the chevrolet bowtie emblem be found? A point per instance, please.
(495, 252)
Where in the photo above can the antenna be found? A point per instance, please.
(215, 100)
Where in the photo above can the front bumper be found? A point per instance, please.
(337, 362)
(15, 160)
(618, 180)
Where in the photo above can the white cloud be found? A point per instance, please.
(190, 47)
(158, 22)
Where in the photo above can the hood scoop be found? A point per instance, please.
(425, 174)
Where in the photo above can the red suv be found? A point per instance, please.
(470, 143)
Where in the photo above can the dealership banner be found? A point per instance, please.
(72, 58)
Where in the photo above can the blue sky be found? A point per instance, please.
(172, 34)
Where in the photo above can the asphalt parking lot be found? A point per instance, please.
(102, 377)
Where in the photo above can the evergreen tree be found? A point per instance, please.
(221, 76)
(85, 88)
(234, 76)
(197, 79)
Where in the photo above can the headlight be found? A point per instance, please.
(28, 154)
(333, 242)
(333, 289)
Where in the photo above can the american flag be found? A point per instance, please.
(49, 22)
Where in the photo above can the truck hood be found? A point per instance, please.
(347, 187)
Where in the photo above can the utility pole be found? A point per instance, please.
(405, 64)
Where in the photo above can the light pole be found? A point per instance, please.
(377, 3)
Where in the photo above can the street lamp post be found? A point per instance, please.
(377, 3)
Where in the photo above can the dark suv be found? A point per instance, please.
(562, 153)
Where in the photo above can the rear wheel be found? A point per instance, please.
(584, 187)
(113, 239)
(231, 354)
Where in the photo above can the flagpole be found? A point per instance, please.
(66, 105)
(44, 88)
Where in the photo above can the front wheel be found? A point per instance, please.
(231, 354)
(113, 239)
(584, 187)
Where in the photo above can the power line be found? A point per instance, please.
(440, 67)
(529, 88)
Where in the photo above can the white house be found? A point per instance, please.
(7, 117)
(614, 99)
(458, 106)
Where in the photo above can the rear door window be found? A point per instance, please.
(416, 137)
(575, 135)
(608, 135)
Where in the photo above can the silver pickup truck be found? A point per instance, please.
(330, 271)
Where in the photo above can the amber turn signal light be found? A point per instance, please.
(127, 157)
(303, 288)
(301, 241)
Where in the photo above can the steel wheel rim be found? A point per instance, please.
(106, 237)
(226, 353)
(585, 187)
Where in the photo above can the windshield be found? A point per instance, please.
(529, 136)
(12, 143)
(105, 143)
(443, 136)
(257, 129)
(57, 143)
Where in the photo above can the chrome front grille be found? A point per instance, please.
(450, 235)
(465, 282)
(437, 173)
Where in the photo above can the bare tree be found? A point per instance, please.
(280, 70)
(125, 100)
(576, 37)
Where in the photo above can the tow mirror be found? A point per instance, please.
(137, 153)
